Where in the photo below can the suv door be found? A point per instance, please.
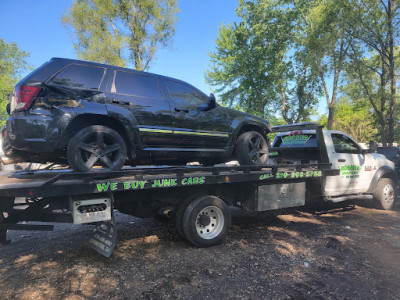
(140, 94)
(194, 124)
(356, 167)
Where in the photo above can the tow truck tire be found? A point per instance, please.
(206, 221)
(180, 212)
(251, 149)
(96, 148)
(385, 193)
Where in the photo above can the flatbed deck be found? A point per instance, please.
(50, 183)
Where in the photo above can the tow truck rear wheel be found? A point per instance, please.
(206, 221)
(385, 193)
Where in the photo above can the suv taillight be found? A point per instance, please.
(25, 95)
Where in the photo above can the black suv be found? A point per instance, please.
(99, 117)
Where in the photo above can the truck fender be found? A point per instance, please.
(384, 171)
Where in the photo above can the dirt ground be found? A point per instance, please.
(343, 251)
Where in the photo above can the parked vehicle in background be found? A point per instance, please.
(100, 117)
(392, 153)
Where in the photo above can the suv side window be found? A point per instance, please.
(136, 85)
(343, 144)
(185, 95)
(80, 76)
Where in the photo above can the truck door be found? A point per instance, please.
(354, 164)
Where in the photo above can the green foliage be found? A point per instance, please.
(252, 64)
(356, 119)
(119, 32)
(375, 59)
(12, 65)
(283, 55)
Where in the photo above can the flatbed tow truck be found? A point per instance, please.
(197, 197)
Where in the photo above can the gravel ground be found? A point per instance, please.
(343, 251)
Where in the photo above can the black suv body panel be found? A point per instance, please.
(157, 116)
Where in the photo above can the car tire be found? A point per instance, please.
(251, 149)
(385, 193)
(206, 221)
(96, 148)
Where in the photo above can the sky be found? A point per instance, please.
(35, 25)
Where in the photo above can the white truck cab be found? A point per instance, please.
(362, 173)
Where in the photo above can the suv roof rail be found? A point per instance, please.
(297, 126)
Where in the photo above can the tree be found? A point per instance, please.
(12, 65)
(368, 79)
(121, 32)
(326, 43)
(253, 66)
(375, 57)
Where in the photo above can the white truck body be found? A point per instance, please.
(359, 169)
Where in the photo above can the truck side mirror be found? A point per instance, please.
(373, 146)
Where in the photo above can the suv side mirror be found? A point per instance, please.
(212, 103)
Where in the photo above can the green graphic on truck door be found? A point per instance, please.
(350, 171)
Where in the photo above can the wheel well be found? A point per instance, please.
(249, 127)
(391, 176)
(383, 172)
(86, 120)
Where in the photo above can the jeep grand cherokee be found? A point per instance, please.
(100, 117)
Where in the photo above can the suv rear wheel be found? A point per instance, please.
(251, 149)
(96, 148)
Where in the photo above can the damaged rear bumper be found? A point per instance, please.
(30, 133)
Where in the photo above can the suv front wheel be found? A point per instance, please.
(96, 148)
(251, 149)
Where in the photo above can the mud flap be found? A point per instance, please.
(104, 238)
(3, 238)
(3, 232)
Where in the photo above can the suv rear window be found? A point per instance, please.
(80, 76)
(136, 85)
(308, 140)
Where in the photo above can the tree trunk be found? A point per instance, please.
(283, 107)
(382, 93)
(393, 100)
(331, 114)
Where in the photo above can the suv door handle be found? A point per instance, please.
(341, 160)
(179, 110)
(120, 102)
